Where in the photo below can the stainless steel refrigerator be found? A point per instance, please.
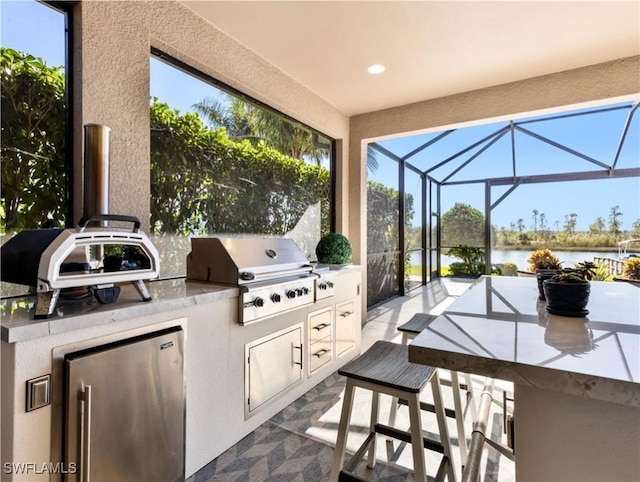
(125, 410)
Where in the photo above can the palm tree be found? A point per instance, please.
(614, 222)
(245, 121)
(235, 117)
(372, 160)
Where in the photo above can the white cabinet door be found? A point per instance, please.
(274, 364)
(345, 327)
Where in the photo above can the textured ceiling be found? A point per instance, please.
(430, 49)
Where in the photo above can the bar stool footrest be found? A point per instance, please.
(359, 455)
(346, 474)
(428, 443)
(429, 407)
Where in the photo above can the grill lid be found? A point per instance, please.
(234, 261)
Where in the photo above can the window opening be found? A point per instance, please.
(36, 153)
(223, 163)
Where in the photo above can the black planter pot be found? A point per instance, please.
(541, 276)
(567, 299)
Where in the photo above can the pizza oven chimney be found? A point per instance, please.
(96, 169)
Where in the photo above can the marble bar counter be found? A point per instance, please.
(576, 380)
(499, 328)
(71, 314)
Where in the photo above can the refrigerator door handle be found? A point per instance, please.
(85, 433)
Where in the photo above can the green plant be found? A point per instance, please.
(334, 248)
(464, 269)
(602, 273)
(32, 156)
(543, 259)
(472, 260)
(582, 273)
(631, 268)
(462, 223)
(505, 269)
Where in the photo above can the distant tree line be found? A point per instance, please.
(601, 232)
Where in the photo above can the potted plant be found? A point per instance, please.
(544, 264)
(567, 292)
(334, 248)
(631, 269)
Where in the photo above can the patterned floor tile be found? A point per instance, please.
(296, 444)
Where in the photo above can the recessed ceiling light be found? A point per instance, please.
(376, 69)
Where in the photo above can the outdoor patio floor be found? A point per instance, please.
(297, 443)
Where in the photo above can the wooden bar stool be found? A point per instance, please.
(385, 368)
(410, 330)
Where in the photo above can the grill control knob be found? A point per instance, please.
(259, 302)
(291, 294)
(322, 286)
(305, 290)
(330, 284)
(299, 291)
(275, 297)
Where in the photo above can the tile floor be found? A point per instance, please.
(297, 443)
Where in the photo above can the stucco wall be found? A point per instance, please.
(112, 48)
(610, 80)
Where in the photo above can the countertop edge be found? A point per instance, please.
(180, 295)
(581, 385)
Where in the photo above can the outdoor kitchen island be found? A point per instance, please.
(576, 380)
(217, 413)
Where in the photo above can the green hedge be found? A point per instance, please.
(33, 142)
(203, 182)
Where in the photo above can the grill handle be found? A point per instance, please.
(109, 217)
(271, 275)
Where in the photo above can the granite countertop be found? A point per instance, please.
(500, 329)
(17, 313)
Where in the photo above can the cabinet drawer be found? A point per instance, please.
(319, 354)
(319, 326)
(345, 327)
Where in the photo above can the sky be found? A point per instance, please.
(37, 29)
(594, 135)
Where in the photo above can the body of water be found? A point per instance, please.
(519, 258)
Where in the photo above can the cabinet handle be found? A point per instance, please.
(85, 433)
(346, 313)
(300, 362)
(319, 353)
(321, 326)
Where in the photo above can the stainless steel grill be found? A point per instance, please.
(325, 283)
(273, 274)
